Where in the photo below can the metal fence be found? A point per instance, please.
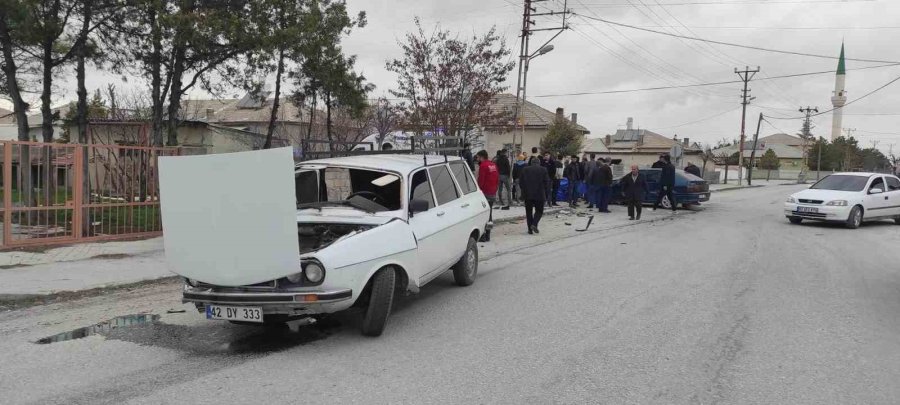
(64, 193)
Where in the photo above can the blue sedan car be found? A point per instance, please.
(689, 189)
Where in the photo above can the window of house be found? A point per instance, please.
(420, 189)
(444, 188)
(463, 177)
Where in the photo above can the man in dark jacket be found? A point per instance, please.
(534, 182)
(572, 172)
(634, 185)
(606, 179)
(666, 183)
(592, 180)
(466, 154)
(503, 166)
(692, 169)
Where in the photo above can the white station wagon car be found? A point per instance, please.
(360, 230)
(850, 198)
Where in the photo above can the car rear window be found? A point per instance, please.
(444, 188)
(463, 177)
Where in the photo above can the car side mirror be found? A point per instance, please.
(417, 206)
(876, 191)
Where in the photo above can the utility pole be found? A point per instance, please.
(753, 151)
(525, 56)
(746, 75)
(820, 143)
(807, 132)
(847, 160)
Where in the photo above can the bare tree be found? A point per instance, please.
(385, 119)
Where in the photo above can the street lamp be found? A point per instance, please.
(544, 49)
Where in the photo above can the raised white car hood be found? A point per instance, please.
(230, 219)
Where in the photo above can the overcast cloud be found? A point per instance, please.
(636, 59)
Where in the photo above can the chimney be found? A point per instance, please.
(686, 142)
(575, 118)
(560, 113)
(629, 126)
(608, 140)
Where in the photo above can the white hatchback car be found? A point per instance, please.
(366, 228)
(850, 198)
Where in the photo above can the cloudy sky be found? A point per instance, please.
(594, 57)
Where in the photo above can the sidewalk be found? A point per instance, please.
(732, 184)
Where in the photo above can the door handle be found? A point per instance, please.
(466, 205)
(440, 214)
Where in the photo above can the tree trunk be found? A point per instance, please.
(80, 55)
(20, 107)
(156, 76)
(312, 111)
(769, 175)
(275, 104)
(175, 96)
(726, 175)
(328, 120)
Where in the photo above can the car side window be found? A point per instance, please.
(877, 183)
(420, 188)
(652, 175)
(893, 184)
(444, 188)
(463, 177)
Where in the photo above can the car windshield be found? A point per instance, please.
(368, 190)
(842, 183)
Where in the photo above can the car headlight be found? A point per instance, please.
(314, 273)
(295, 278)
(837, 203)
(791, 200)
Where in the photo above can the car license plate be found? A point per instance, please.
(244, 314)
(808, 209)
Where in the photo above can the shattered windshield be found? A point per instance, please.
(367, 190)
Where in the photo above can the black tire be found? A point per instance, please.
(665, 203)
(856, 218)
(466, 268)
(381, 299)
(795, 220)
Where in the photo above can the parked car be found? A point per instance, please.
(368, 228)
(689, 189)
(850, 198)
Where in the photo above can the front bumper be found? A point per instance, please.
(825, 212)
(294, 303)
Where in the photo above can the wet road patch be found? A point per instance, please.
(102, 327)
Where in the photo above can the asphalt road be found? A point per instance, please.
(727, 305)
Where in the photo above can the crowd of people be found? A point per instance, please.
(534, 181)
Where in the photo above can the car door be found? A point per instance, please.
(451, 214)
(653, 177)
(893, 193)
(876, 205)
(472, 203)
(425, 225)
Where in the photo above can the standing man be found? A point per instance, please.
(606, 179)
(550, 166)
(488, 179)
(534, 182)
(634, 185)
(521, 162)
(666, 183)
(693, 169)
(572, 173)
(592, 179)
(467, 155)
(504, 168)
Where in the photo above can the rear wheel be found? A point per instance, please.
(795, 220)
(856, 217)
(665, 203)
(466, 268)
(380, 301)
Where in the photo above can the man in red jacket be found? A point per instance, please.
(488, 180)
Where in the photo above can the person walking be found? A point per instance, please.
(603, 191)
(592, 179)
(534, 182)
(666, 183)
(504, 168)
(693, 169)
(572, 172)
(634, 185)
(547, 163)
(488, 181)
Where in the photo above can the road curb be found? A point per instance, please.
(735, 188)
(18, 301)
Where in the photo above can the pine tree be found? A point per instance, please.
(769, 162)
(563, 138)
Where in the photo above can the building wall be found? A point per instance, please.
(494, 141)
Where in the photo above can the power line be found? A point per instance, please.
(757, 48)
(822, 28)
(849, 102)
(698, 121)
(586, 93)
(736, 3)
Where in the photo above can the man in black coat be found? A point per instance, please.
(572, 172)
(505, 169)
(534, 182)
(604, 172)
(666, 183)
(634, 185)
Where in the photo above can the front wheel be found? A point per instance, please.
(466, 268)
(665, 203)
(855, 219)
(795, 220)
(380, 301)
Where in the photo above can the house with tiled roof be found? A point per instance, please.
(537, 123)
(789, 150)
(643, 147)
